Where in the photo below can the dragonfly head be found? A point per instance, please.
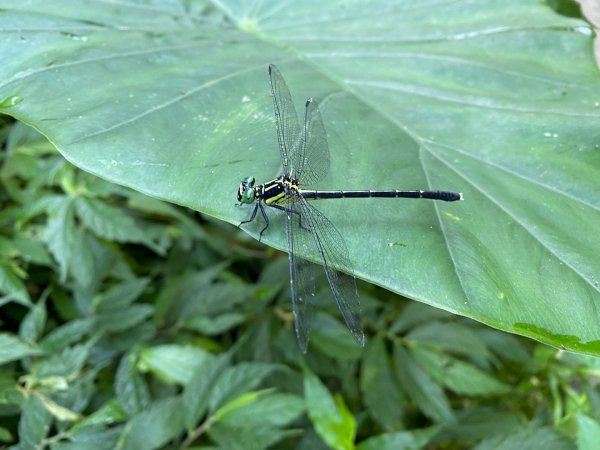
(246, 192)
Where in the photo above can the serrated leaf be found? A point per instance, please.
(121, 295)
(248, 398)
(178, 300)
(261, 409)
(421, 388)
(154, 427)
(59, 234)
(12, 348)
(214, 326)
(220, 297)
(66, 334)
(154, 206)
(65, 364)
(42, 205)
(34, 423)
(11, 286)
(237, 380)
(91, 438)
(197, 391)
(332, 338)
(403, 440)
(329, 416)
(130, 387)
(458, 376)
(82, 267)
(112, 223)
(129, 317)
(379, 386)
(32, 250)
(34, 322)
(131, 337)
(107, 414)
(82, 390)
(173, 363)
(478, 423)
(533, 438)
(454, 337)
(10, 395)
(245, 438)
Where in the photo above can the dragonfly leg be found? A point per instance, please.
(266, 217)
(252, 216)
(288, 211)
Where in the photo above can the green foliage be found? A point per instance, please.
(493, 98)
(165, 330)
(331, 418)
(128, 322)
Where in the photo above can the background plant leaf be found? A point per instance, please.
(155, 426)
(330, 416)
(497, 99)
(34, 422)
(13, 348)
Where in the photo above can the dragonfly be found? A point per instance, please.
(305, 159)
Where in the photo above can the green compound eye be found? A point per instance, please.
(245, 192)
(248, 195)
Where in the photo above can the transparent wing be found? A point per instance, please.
(317, 232)
(312, 159)
(288, 129)
(302, 272)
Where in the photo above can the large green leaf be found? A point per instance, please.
(498, 99)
